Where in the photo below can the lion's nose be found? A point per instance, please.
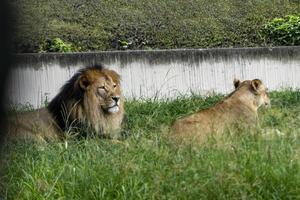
(268, 104)
(116, 99)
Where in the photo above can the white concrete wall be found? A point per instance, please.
(158, 74)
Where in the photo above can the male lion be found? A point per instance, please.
(238, 108)
(91, 100)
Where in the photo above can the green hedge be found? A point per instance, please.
(283, 31)
(142, 24)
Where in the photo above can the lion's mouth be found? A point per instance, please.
(113, 109)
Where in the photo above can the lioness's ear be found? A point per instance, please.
(255, 84)
(83, 82)
(236, 83)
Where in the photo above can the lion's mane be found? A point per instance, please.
(90, 103)
(72, 108)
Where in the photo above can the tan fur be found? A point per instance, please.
(88, 99)
(36, 125)
(238, 108)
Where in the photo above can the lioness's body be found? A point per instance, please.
(239, 108)
(91, 100)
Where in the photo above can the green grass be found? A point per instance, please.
(148, 165)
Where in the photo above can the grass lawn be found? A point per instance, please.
(260, 164)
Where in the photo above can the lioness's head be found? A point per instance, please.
(256, 88)
(103, 87)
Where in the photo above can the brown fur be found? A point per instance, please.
(238, 108)
(88, 101)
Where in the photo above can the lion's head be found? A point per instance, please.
(92, 97)
(102, 88)
(253, 89)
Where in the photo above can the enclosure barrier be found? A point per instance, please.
(156, 74)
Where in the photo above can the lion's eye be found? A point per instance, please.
(115, 85)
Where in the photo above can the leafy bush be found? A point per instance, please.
(284, 31)
(55, 45)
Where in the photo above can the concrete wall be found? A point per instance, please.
(157, 74)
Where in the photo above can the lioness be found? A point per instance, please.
(238, 108)
(91, 100)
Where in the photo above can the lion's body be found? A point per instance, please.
(239, 108)
(37, 125)
(90, 99)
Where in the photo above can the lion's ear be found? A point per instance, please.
(255, 84)
(236, 83)
(114, 75)
(83, 82)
